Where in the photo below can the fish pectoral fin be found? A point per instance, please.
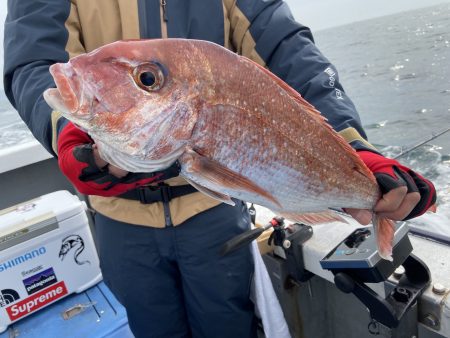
(220, 176)
(313, 218)
(213, 194)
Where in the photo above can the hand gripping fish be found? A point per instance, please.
(237, 130)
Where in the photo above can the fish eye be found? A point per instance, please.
(147, 79)
(149, 76)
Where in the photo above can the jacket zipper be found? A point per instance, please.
(164, 10)
(164, 19)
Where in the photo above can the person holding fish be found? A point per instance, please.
(169, 137)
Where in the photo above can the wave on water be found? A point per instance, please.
(376, 125)
(428, 161)
(14, 134)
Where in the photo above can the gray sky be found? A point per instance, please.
(321, 14)
(317, 14)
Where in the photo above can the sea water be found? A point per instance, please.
(396, 69)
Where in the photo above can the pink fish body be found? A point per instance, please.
(236, 129)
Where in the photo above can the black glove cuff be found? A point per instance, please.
(172, 171)
(410, 183)
(427, 195)
(84, 153)
(92, 173)
(387, 182)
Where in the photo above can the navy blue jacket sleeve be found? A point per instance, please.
(288, 49)
(35, 38)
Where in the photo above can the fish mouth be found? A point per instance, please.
(65, 98)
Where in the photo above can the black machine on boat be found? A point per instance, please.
(355, 265)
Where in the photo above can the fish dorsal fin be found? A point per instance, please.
(213, 194)
(218, 175)
(313, 218)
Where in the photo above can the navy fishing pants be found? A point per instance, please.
(173, 281)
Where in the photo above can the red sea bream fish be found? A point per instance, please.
(236, 129)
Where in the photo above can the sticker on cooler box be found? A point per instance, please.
(39, 281)
(36, 301)
(32, 270)
(8, 296)
(22, 258)
(25, 207)
(75, 244)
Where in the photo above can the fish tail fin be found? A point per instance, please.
(384, 230)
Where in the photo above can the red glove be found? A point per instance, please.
(76, 161)
(390, 174)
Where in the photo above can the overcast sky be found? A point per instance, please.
(322, 14)
(318, 14)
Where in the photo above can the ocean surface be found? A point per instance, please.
(397, 71)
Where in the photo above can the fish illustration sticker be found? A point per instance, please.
(72, 244)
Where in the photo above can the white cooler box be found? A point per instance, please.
(46, 253)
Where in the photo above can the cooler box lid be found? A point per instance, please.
(58, 206)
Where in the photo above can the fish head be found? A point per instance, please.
(134, 98)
